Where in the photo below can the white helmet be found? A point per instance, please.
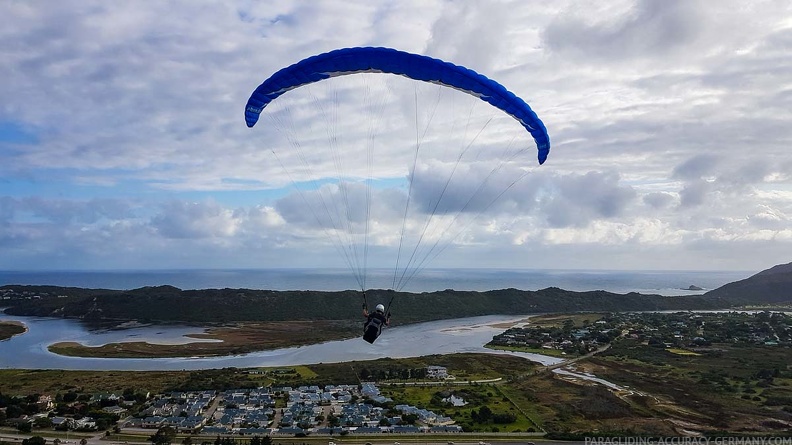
(380, 308)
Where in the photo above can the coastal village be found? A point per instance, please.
(362, 408)
(333, 409)
(271, 411)
(663, 330)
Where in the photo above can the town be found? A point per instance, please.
(663, 330)
(271, 411)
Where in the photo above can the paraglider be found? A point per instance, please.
(365, 60)
(375, 321)
(385, 60)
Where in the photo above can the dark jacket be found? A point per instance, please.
(372, 328)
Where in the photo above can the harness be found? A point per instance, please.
(372, 328)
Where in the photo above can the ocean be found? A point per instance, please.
(670, 283)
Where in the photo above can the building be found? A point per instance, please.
(436, 372)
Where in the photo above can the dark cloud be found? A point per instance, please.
(696, 167)
(648, 30)
(581, 199)
(658, 200)
(694, 193)
(752, 172)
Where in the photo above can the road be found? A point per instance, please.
(576, 359)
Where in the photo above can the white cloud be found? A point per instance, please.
(669, 123)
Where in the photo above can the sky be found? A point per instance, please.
(123, 143)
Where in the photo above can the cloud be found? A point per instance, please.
(122, 139)
(696, 167)
(65, 212)
(580, 199)
(640, 30)
(195, 220)
(658, 200)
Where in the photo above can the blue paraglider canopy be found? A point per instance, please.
(414, 66)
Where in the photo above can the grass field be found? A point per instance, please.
(579, 320)
(678, 351)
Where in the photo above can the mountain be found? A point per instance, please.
(170, 304)
(772, 286)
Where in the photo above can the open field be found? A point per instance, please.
(731, 388)
(578, 320)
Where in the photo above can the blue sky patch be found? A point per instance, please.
(15, 133)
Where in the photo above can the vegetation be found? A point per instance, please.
(726, 388)
(772, 286)
(675, 373)
(169, 304)
(236, 339)
(8, 330)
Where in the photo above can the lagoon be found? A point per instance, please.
(29, 350)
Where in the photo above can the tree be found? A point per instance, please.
(42, 422)
(482, 416)
(13, 411)
(410, 419)
(163, 436)
(83, 441)
(35, 440)
(102, 424)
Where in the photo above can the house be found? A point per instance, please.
(45, 403)
(117, 410)
(436, 372)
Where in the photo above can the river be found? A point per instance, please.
(29, 350)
